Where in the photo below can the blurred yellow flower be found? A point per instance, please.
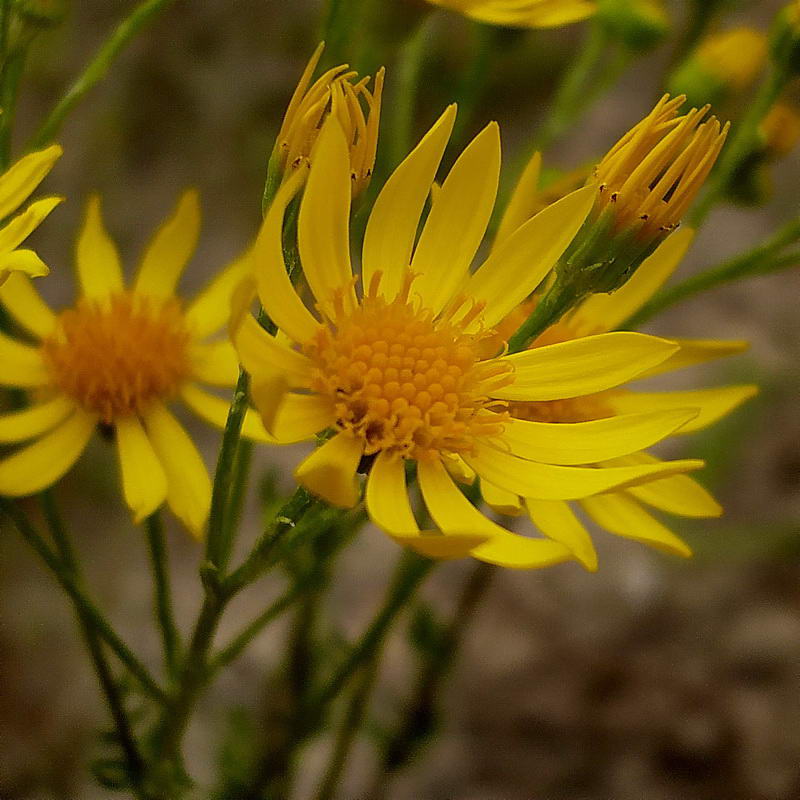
(16, 185)
(408, 370)
(522, 13)
(116, 359)
(623, 511)
(336, 93)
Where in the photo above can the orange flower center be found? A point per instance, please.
(405, 380)
(116, 357)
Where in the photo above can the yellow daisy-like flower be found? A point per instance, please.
(16, 186)
(522, 13)
(333, 93)
(117, 359)
(623, 511)
(408, 369)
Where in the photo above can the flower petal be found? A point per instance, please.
(605, 312)
(387, 496)
(518, 264)
(144, 483)
(522, 205)
(330, 471)
(19, 181)
(188, 484)
(295, 417)
(25, 262)
(170, 249)
(583, 366)
(623, 516)
(216, 363)
(323, 225)
(555, 519)
(25, 304)
(696, 351)
(549, 482)
(588, 442)
(394, 220)
(41, 464)
(457, 221)
(22, 365)
(214, 410)
(99, 267)
(501, 500)
(24, 224)
(17, 426)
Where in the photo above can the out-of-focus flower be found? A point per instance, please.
(16, 185)
(639, 25)
(117, 359)
(522, 13)
(624, 511)
(407, 371)
(780, 129)
(723, 65)
(340, 94)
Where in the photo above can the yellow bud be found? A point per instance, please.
(780, 130)
(340, 92)
(522, 13)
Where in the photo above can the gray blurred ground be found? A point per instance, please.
(652, 679)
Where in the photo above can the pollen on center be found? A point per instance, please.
(405, 380)
(116, 357)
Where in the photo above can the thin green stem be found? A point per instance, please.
(163, 595)
(552, 306)
(761, 260)
(72, 586)
(13, 68)
(741, 143)
(98, 67)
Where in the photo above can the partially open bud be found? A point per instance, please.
(522, 13)
(639, 25)
(357, 108)
(723, 65)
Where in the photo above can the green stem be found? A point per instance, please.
(552, 306)
(163, 595)
(13, 67)
(98, 67)
(72, 586)
(741, 144)
(761, 260)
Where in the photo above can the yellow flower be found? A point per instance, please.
(522, 13)
(780, 129)
(623, 511)
(406, 368)
(16, 185)
(648, 180)
(117, 359)
(333, 93)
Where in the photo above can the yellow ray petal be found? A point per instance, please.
(297, 417)
(518, 264)
(98, 264)
(19, 181)
(434, 544)
(623, 516)
(25, 304)
(522, 204)
(387, 496)
(21, 365)
(17, 426)
(583, 366)
(605, 312)
(393, 222)
(678, 494)
(144, 483)
(323, 225)
(501, 500)
(210, 310)
(457, 221)
(25, 262)
(41, 464)
(170, 249)
(24, 224)
(555, 519)
(214, 410)
(549, 482)
(459, 469)
(275, 289)
(713, 404)
(330, 471)
(216, 363)
(572, 443)
(262, 353)
(696, 351)
(188, 484)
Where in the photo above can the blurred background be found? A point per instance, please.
(652, 679)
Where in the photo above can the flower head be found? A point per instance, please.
(403, 365)
(340, 94)
(522, 13)
(117, 359)
(16, 185)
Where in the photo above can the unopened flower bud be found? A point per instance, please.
(522, 13)
(639, 25)
(780, 130)
(357, 108)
